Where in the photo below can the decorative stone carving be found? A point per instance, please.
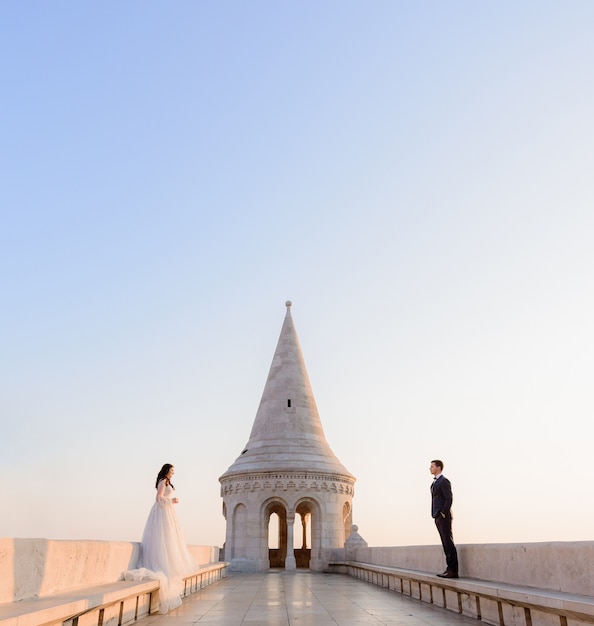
(353, 542)
(286, 483)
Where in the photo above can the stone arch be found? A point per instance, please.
(309, 510)
(275, 556)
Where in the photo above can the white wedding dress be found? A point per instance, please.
(163, 552)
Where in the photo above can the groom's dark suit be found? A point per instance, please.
(441, 504)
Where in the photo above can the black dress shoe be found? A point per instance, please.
(448, 574)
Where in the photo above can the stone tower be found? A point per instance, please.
(287, 469)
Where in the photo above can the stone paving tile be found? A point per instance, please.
(302, 598)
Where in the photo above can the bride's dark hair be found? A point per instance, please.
(163, 475)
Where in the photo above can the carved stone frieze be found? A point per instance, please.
(287, 482)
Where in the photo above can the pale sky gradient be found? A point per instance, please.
(416, 177)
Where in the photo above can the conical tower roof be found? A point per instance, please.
(287, 434)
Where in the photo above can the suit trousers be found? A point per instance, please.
(444, 527)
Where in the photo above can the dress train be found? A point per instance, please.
(164, 555)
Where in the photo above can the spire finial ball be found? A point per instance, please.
(288, 303)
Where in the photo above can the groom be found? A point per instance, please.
(441, 505)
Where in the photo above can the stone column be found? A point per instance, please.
(304, 529)
(290, 562)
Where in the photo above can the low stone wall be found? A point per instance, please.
(559, 566)
(32, 568)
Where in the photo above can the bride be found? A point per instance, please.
(163, 552)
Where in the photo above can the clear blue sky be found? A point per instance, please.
(415, 177)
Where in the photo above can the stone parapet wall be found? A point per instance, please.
(204, 555)
(559, 566)
(32, 568)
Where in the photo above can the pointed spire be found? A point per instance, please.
(287, 434)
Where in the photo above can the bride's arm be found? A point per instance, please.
(162, 499)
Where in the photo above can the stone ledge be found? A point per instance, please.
(562, 604)
(63, 607)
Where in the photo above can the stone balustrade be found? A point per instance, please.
(80, 583)
(532, 584)
(566, 566)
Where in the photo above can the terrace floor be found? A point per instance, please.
(302, 598)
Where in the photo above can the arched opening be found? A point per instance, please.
(276, 523)
(273, 532)
(347, 519)
(302, 535)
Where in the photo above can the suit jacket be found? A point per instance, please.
(441, 496)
